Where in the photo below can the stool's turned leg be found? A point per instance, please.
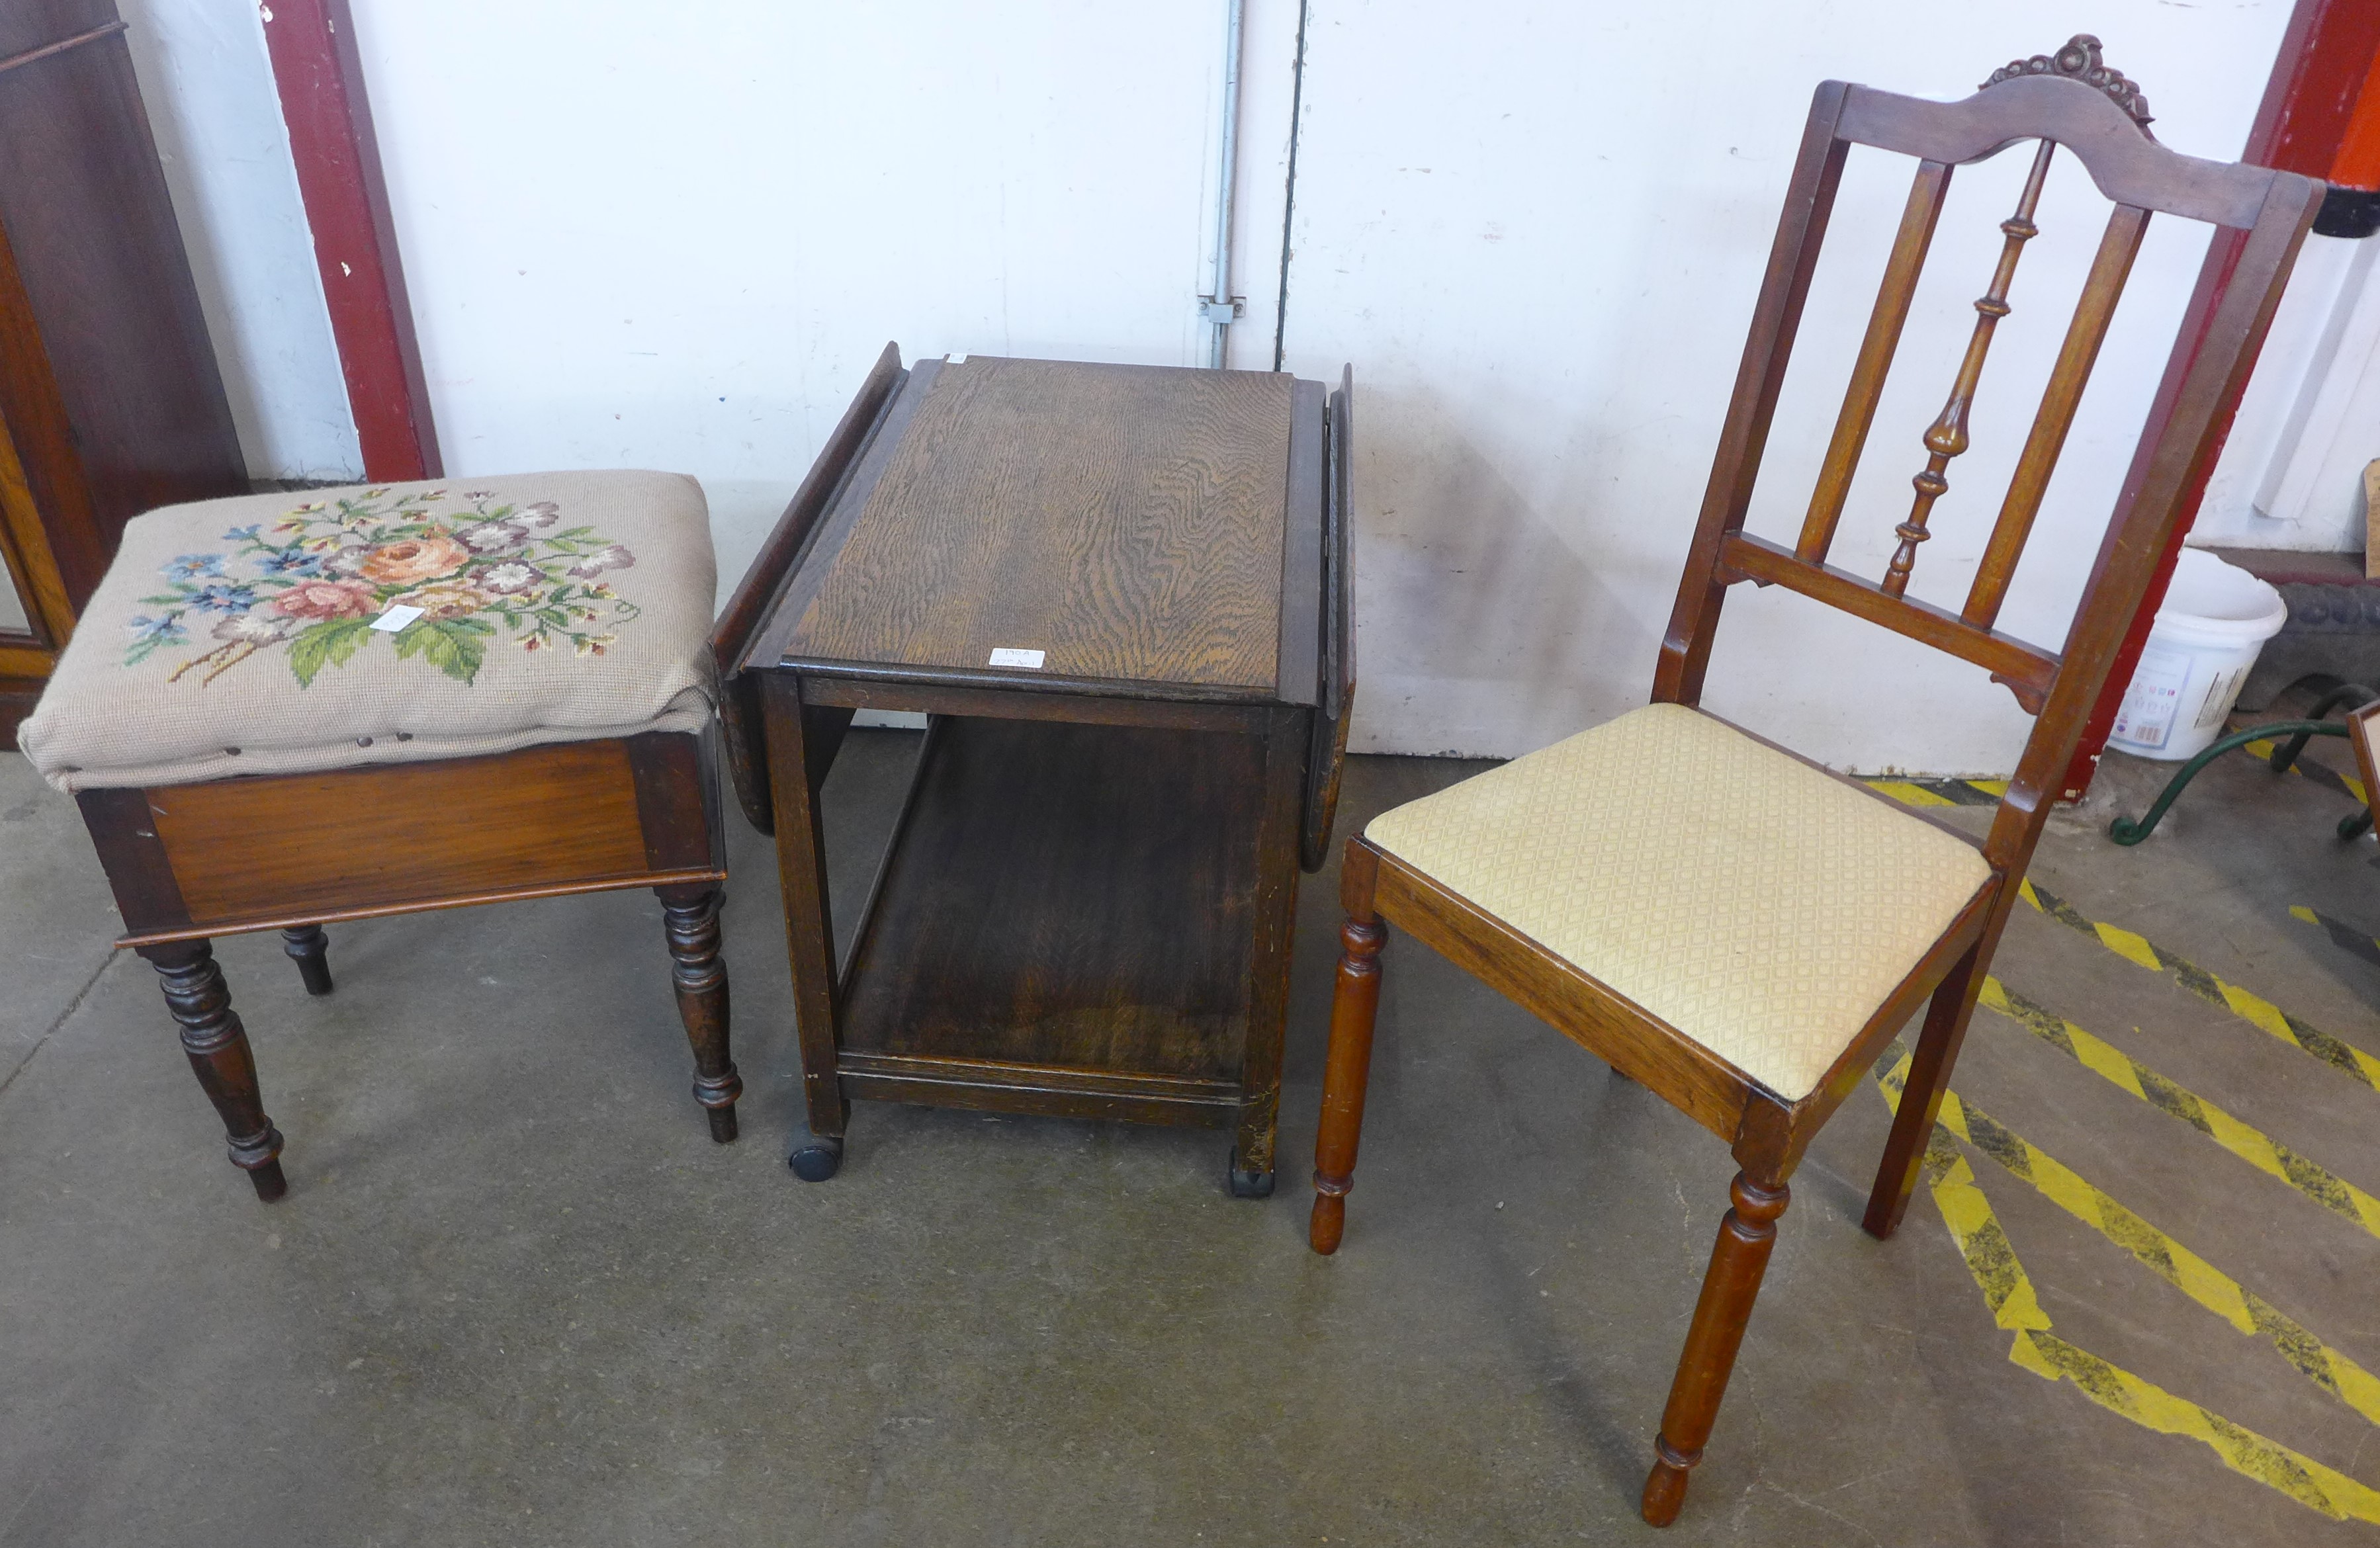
(691, 917)
(1739, 1258)
(218, 1047)
(1354, 1006)
(310, 950)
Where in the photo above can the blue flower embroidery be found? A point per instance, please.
(244, 534)
(224, 597)
(289, 562)
(153, 631)
(194, 566)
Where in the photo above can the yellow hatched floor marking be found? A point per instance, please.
(2346, 936)
(2242, 1308)
(2320, 773)
(2268, 1155)
(1940, 793)
(1909, 794)
(2251, 1007)
(2009, 1291)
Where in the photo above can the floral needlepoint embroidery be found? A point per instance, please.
(315, 580)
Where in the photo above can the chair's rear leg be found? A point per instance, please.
(217, 1044)
(310, 950)
(1355, 1005)
(1739, 1258)
(691, 915)
(1947, 1016)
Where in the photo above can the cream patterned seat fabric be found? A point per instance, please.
(1758, 905)
(282, 633)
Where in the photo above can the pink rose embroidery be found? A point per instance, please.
(414, 559)
(449, 599)
(322, 598)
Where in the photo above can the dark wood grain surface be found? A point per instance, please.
(1336, 629)
(1021, 699)
(404, 833)
(772, 568)
(1069, 896)
(35, 27)
(1126, 520)
(1303, 583)
(1051, 1091)
(108, 384)
(110, 402)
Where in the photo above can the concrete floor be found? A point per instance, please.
(515, 1295)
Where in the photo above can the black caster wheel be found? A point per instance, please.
(818, 1160)
(1251, 1185)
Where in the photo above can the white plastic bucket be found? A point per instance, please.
(2215, 618)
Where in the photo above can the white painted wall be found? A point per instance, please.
(208, 85)
(2291, 475)
(636, 236)
(1539, 236)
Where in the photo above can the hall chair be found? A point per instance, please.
(1732, 925)
(285, 710)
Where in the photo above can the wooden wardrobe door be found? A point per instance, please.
(111, 403)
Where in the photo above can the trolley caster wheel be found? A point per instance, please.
(1251, 1185)
(818, 1160)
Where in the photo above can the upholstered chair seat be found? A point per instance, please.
(1761, 906)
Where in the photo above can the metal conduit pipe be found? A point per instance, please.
(1220, 307)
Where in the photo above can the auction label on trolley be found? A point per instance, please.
(1009, 656)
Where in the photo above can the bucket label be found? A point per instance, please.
(2219, 694)
(2147, 717)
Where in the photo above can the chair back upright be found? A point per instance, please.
(2068, 101)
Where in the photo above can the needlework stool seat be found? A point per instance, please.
(290, 709)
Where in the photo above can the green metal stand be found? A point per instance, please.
(2126, 830)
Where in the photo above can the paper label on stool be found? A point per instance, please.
(1008, 656)
(396, 618)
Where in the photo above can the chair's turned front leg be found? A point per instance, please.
(1738, 1260)
(218, 1047)
(310, 950)
(1355, 1005)
(691, 916)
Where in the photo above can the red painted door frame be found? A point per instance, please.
(319, 73)
(2321, 116)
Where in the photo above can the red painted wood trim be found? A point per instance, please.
(319, 75)
(2358, 163)
(2326, 56)
(2331, 48)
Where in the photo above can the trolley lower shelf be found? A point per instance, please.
(1060, 926)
